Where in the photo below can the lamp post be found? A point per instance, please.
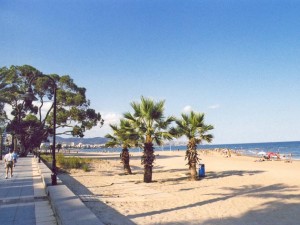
(2, 137)
(29, 97)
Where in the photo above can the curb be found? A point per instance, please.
(67, 207)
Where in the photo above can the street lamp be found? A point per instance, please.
(3, 132)
(29, 97)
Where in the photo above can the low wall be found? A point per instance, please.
(68, 208)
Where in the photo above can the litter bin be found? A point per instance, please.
(201, 170)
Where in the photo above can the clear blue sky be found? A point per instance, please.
(236, 61)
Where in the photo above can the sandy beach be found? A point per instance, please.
(235, 191)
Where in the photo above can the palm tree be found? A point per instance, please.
(192, 126)
(151, 127)
(123, 135)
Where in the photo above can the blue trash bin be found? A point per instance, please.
(201, 170)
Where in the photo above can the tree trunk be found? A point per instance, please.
(127, 169)
(147, 160)
(15, 144)
(125, 160)
(192, 156)
(1, 145)
(193, 171)
(22, 151)
(147, 174)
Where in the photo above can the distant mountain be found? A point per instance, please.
(95, 140)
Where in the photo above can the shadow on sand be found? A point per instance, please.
(269, 213)
(227, 173)
(105, 213)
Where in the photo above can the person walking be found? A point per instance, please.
(8, 159)
(15, 156)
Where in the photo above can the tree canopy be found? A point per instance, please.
(73, 115)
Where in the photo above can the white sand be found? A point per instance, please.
(235, 191)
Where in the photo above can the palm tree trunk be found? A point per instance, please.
(147, 174)
(192, 156)
(125, 160)
(147, 159)
(193, 171)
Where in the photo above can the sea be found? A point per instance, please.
(249, 149)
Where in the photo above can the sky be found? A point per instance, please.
(237, 61)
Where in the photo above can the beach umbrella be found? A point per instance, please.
(262, 153)
(272, 155)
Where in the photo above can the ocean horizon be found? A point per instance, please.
(249, 149)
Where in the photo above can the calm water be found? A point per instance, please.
(246, 149)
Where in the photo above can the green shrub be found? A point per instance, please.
(85, 168)
(68, 162)
(46, 157)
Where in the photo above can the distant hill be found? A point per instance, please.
(75, 140)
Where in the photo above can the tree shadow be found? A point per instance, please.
(272, 213)
(185, 174)
(105, 213)
(275, 191)
(229, 173)
(137, 169)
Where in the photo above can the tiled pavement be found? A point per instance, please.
(23, 200)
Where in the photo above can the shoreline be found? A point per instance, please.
(217, 151)
(286, 147)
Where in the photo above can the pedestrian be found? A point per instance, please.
(15, 156)
(8, 159)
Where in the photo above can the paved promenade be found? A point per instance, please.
(23, 200)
